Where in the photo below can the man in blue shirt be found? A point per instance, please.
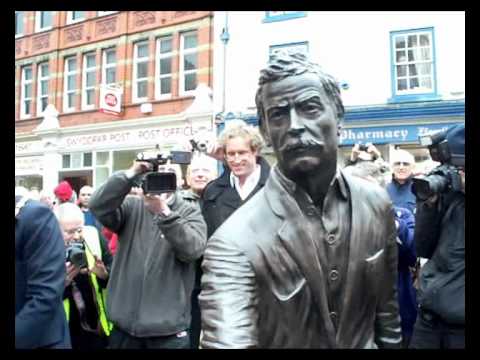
(400, 188)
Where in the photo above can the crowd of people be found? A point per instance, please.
(306, 253)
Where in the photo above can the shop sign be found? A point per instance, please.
(25, 147)
(134, 137)
(111, 99)
(389, 134)
(28, 165)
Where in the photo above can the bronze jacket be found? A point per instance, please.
(263, 285)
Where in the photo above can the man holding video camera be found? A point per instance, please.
(440, 237)
(160, 235)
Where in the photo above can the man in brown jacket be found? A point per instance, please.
(311, 260)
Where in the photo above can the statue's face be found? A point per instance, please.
(301, 124)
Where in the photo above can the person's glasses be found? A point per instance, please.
(401, 163)
(73, 231)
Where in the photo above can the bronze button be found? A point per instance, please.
(333, 316)
(333, 275)
(331, 239)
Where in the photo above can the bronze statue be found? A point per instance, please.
(311, 260)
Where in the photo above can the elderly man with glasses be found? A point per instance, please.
(400, 188)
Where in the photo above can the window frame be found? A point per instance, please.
(66, 92)
(106, 13)
(41, 78)
(38, 18)
(420, 94)
(71, 20)
(287, 15)
(25, 83)
(86, 88)
(135, 79)
(22, 33)
(106, 66)
(158, 57)
(182, 72)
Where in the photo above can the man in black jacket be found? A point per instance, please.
(245, 174)
(440, 237)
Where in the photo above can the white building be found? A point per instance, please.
(402, 73)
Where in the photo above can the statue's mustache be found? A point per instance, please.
(308, 143)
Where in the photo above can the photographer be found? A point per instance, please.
(87, 264)
(159, 238)
(440, 237)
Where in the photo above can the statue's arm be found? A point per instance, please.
(228, 297)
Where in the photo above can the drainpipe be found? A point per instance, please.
(225, 36)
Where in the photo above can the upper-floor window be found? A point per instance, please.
(18, 23)
(88, 81)
(109, 66)
(70, 84)
(413, 64)
(188, 62)
(271, 16)
(75, 16)
(301, 47)
(104, 13)
(43, 20)
(26, 92)
(163, 79)
(43, 77)
(140, 71)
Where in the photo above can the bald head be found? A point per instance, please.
(402, 164)
(202, 170)
(84, 196)
(71, 221)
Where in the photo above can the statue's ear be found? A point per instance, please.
(264, 133)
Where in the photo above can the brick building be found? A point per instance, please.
(160, 60)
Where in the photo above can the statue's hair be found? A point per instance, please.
(289, 63)
(239, 128)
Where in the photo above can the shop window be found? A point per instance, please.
(140, 72)
(301, 47)
(163, 79)
(66, 161)
(271, 16)
(88, 81)
(43, 20)
(109, 66)
(77, 160)
(19, 23)
(188, 62)
(87, 159)
(102, 167)
(75, 16)
(43, 78)
(413, 65)
(122, 160)
(70, 84)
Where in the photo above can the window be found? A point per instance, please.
(104, 13)
(109, 66)
(140, 71)
(77, 160)
(43, 20)
(18, 23)
(75, 16)
(163, 79)
(88, 81)
(43, 76)
(413, 64)
(301, 47)
(271, 16)
(26, 97)
(70, 84)
(188, 62)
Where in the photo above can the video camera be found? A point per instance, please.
(157, 183)
(444, 177)
(362, 147)
(75, 253)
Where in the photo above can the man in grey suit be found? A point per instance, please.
(311, 260)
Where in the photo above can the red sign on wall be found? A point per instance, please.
(111, 99)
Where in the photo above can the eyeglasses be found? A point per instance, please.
(398, 163)
(241, 155)
(73, 231)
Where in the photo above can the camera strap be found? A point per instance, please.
(82, 311)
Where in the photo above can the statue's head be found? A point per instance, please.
(300, 113)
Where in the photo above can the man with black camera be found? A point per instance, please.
(87, 262)
(160, 235)
(440, 237)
